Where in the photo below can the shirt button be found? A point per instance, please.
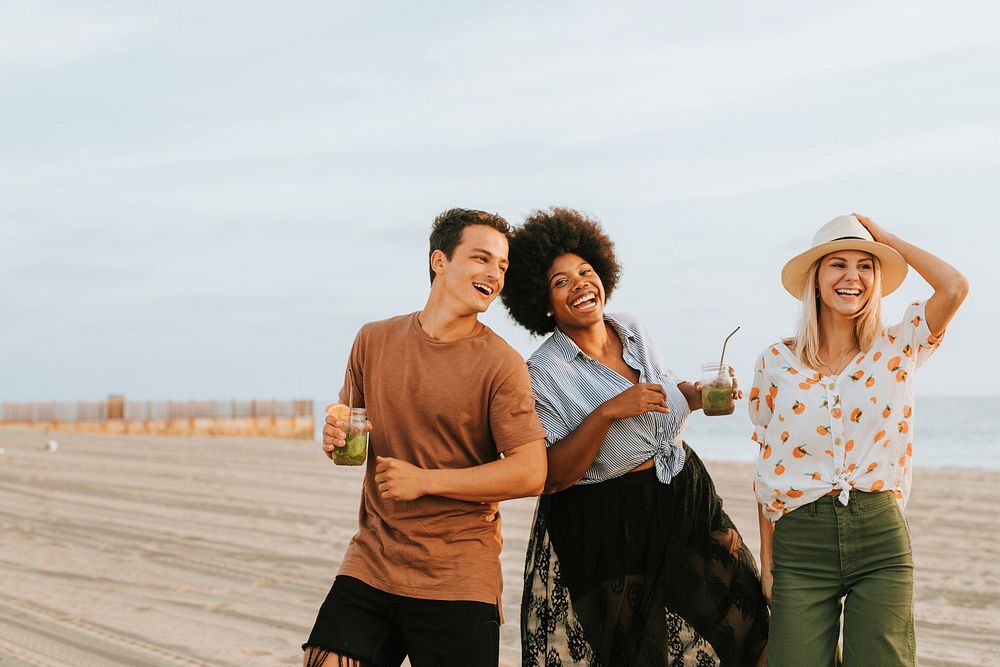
(659, 430)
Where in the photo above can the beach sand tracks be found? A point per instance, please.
(46, 637)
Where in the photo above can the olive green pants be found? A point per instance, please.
(825, 551)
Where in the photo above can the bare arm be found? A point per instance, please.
(766, 557)
(520, 473)
(950, 286)
(570, 457)
(692, 394)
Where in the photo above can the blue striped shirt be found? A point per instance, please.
(569, 385)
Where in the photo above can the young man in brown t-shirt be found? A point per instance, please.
(446, 398)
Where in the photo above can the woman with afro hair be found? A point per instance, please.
(631, 560)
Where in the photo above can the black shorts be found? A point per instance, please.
(380, 629)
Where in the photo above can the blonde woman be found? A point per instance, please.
(833, 409)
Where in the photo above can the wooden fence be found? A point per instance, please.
(146, 410)
(292, 418)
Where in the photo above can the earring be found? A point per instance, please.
(548, 313)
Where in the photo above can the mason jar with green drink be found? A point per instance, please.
(716, 390)
(355, 425)
(354, 452)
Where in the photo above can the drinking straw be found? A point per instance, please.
(350, 389)
(724, 343)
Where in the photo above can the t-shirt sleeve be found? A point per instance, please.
(352, 392)
(513, 419)
(761, 409)
(915, 338)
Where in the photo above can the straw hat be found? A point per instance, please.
(844, 232)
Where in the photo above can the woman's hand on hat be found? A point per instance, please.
(879, 234)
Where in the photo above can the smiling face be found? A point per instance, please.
(576, 294)
(473, 277)
(846, 280)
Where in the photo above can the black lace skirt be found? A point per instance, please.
(639, 573)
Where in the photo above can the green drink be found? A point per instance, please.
(355, 425)
(356, 449)
(717, 391)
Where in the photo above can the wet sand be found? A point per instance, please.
(120, 551)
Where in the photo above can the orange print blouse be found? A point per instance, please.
(819, 433)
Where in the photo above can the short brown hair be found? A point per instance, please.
(447, 229)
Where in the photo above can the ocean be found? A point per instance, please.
(949, 432)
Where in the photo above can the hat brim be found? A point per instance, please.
(796, 271)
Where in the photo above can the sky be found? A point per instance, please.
(206, 200)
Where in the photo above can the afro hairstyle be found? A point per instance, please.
(534, 245)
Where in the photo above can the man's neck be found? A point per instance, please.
(442, 322)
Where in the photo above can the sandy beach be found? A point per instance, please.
(120, 551)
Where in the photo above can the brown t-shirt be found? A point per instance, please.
(435, 404)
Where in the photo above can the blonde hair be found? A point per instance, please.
(867, 321)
